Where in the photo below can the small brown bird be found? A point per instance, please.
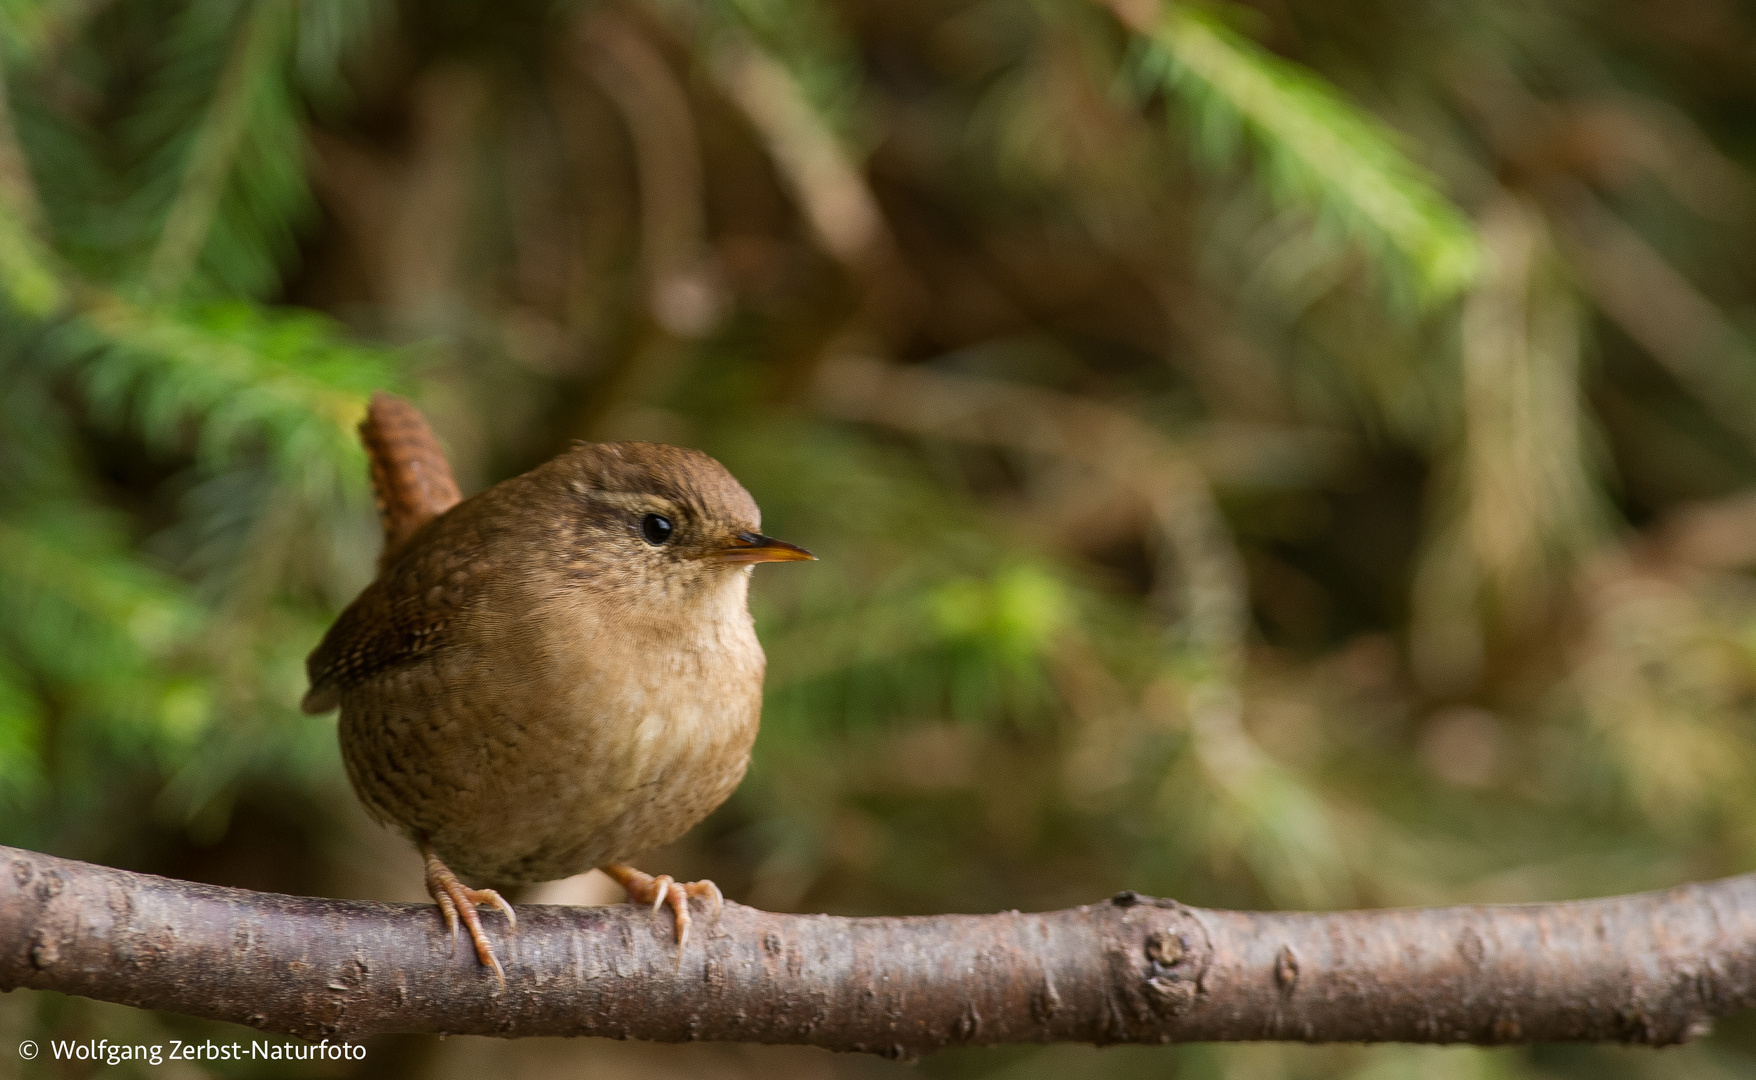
(553, 675)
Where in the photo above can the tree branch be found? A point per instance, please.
(1652, 968)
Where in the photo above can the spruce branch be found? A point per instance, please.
(28, 279)
(217, 142)
(1314, 150)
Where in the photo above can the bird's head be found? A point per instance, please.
(662, 519)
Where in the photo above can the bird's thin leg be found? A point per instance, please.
(658, 891)
(455, 900)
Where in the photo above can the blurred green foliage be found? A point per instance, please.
(1279, 455)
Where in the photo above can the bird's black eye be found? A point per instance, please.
(656, 528)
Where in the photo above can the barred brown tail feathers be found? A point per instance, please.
(411, 479)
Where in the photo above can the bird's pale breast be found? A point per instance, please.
(570, 733)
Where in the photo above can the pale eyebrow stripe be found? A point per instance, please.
(630, 500)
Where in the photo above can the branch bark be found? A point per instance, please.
(1652, 968)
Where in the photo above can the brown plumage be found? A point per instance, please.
(411, 479)
(557, 673)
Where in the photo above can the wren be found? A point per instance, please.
(556, 674)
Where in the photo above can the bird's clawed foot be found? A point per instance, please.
(645, 889)
(456, 899)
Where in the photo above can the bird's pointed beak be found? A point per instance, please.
(751, 547)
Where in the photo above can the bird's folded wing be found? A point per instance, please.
(403, 617)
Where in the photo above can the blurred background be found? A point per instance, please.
(1289, 454)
